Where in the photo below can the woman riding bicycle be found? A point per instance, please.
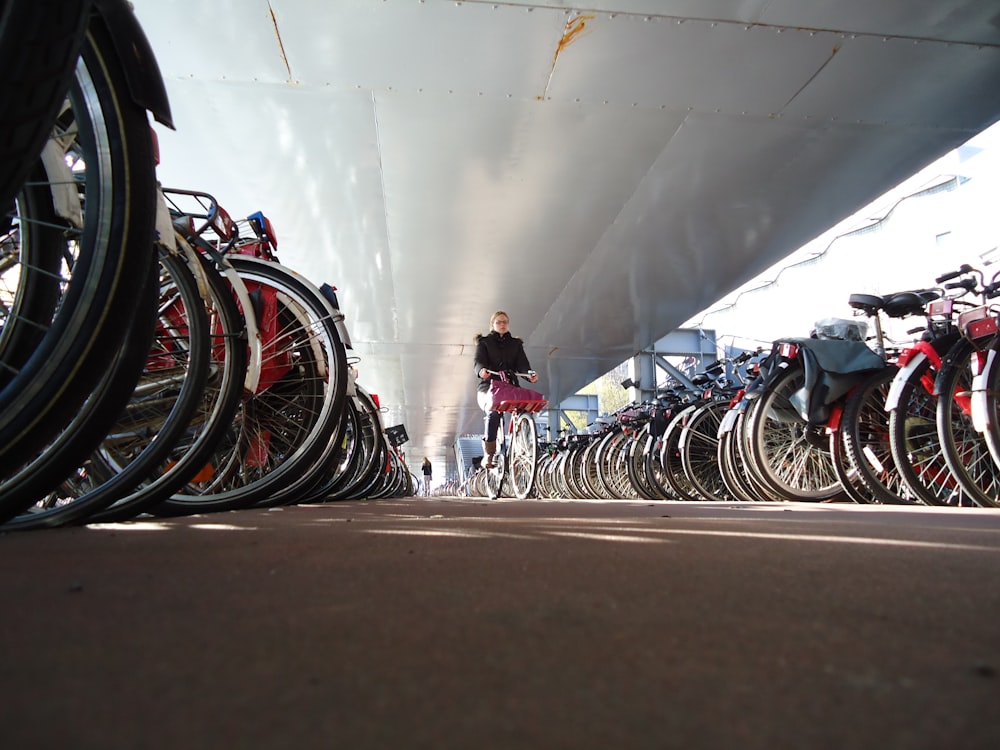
(496, 352)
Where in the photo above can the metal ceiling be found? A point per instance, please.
(602, 169)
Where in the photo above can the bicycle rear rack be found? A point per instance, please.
(525, 405)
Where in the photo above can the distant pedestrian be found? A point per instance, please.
(427, 470)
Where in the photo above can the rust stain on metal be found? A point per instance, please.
(574, 28)
(281, 46)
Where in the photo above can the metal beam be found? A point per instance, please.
(687, 342)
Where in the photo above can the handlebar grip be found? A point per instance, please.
(965, 268)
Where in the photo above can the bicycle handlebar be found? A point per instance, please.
(965, 268)
(528, 374)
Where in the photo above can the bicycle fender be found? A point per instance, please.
(899, 382)
(728, 421)
(65, 198)
(142, 73)
(980, 412)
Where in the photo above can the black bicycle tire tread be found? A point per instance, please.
(62, 374)
(40, 41)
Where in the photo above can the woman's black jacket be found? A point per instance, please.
(496, 352)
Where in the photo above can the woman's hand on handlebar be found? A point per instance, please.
(530, 375)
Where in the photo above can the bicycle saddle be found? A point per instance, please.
(905, 304)
(869, 304)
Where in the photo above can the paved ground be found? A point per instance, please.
(448, 623)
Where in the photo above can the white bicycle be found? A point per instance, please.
(517, 457)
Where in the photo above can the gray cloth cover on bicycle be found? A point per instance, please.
(832, 368)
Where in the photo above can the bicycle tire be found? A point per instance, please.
(730, 466)
(604, 463)
(366, 448)
(566, 473)
(590, 472)
(345, 469)
(636, 464)
(655, 473)
(160, 409)
(914, 441)
(57, 460)
(615, 463)
(523, 456)
(377, 447)
(790, 456)
(967, 451)
(190, 455)
(40, 41)
(284, 433)
(847, 472)
(111, 260)
(378, 483)
(699, 446)
(865, 436)
(670, 458)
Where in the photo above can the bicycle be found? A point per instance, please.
(787, 449)
(76, 224)
(522, 452)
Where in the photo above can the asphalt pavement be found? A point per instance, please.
(468, 623)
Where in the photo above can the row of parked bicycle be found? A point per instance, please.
(839, 415)
(190, 374)
(245, 395)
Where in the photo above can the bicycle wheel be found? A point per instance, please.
(40, 41)
(160, 409)
(103, 257)
(381, 480)
(864, 434)
(913, 437)
(670, 458)
(606, 463)
(283, 433)
(636, 464)
(699, 448)
(743, 461)
(791, 456)
(190, 456)
(966, 450)
(655, 473)
(589, 476)
(567, 473)
(730, 466)
(617, 461)
(346, 469)
(545, 484)
(523, 456)
(352, 468)
(847, 472)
